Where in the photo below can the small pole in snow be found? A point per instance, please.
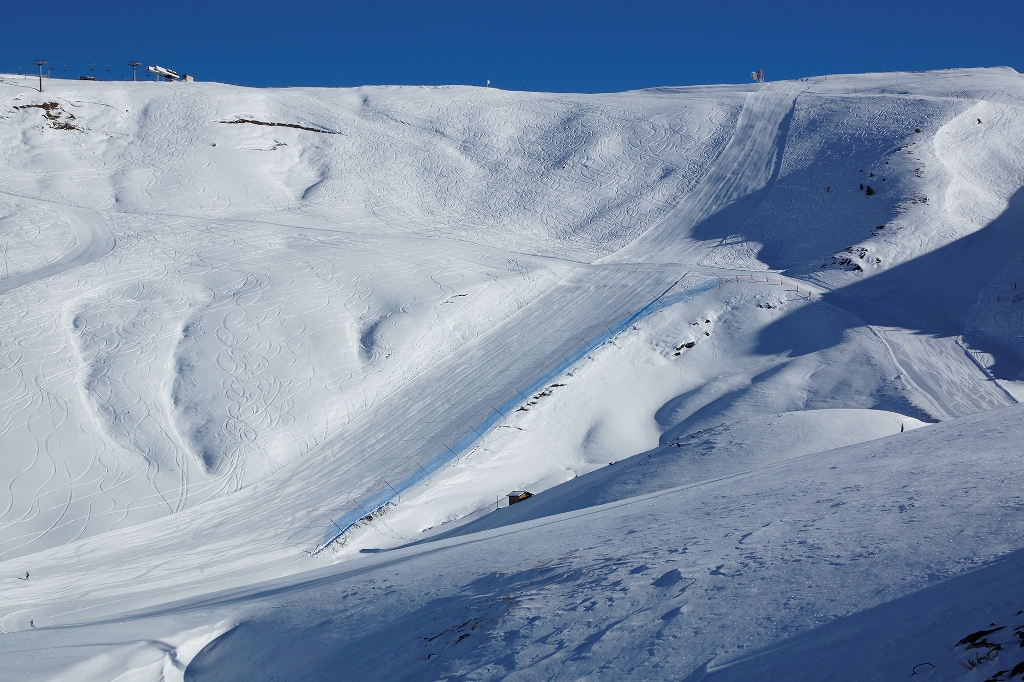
(393, 489)
(449, 450)
(500, 415)
(424, 471)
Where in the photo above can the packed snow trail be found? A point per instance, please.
(921, 307)
(443, 403)
(729, 193)
(367, 508)
(944, 373)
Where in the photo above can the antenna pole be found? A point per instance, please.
(40, 63)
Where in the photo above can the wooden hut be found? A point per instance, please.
(518, 496)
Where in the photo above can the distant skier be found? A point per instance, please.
(26, 576)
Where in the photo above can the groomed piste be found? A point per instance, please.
(274, 358)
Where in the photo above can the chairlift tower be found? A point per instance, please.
(134, 64)
(40, 63)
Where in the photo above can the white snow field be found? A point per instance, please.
(273, 359)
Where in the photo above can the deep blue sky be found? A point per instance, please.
(558, 46)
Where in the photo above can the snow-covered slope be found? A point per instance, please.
(240, 326)
(705, 576)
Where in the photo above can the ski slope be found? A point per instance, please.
(273, 358)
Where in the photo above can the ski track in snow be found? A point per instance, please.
(220, 337)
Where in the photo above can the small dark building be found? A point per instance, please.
(518, 496)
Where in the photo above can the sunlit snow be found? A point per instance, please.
(272, 361)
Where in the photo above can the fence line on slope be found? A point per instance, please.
(368, 508)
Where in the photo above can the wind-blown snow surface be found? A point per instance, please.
(232, 317)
